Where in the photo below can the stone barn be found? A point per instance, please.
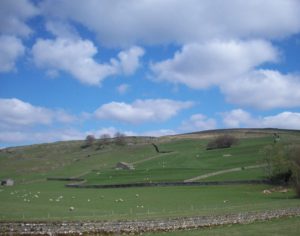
(124, 166)
(7, 182)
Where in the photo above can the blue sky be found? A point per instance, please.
(73, 68)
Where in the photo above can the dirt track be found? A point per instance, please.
(222, 172)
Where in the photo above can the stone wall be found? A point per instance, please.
(168, 184)
(139, 226)
(64, 179)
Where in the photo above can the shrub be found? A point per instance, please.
(295, 167)
(224, 141)
(284, 165)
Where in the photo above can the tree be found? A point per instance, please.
(89, 140)
(224, 141)
(284, 164)
(103, 140)
(120, 139)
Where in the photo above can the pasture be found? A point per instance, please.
(33, 198)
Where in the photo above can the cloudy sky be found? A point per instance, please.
(69, 68)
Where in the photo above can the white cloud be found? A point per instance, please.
(72, 56)
(16, 137)
(14, 112)
(264, 89)
(198, 122)
(109, 130)
(123, 88)
(158, 133)
(11, 48)
(14, 14)
(13, 136)
(76, 56)
(290, 120)
(240, 118)
(237, 118)
(129, 60)
(213, 63)
(176, 21)
(62, 29)
(141, 110)
(64, 134)
(232, 66)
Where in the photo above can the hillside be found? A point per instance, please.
(187, 156)
(182, 158)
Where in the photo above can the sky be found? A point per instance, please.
(70, 68)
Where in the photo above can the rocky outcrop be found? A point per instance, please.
(139, 226)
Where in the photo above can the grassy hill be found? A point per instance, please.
(33, 197)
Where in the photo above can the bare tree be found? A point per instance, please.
(89, 140)
(120, 139)
(104, 140)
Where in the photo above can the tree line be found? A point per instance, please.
(105, 139)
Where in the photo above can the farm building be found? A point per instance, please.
(7, 182)
(124, 166)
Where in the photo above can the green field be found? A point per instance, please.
(34, 198)
(43, 201)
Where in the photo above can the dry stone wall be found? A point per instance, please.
(139, 226)
(167, 184)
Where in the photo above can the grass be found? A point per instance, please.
(34, 198)
(276, 227)
(51, 201)
(256, 174)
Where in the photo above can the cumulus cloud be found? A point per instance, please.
(290, 120)
(14, 112)
(158, 133)
(62, 29)
(141, 110)
(76, 56)
(237, 118)
(40, 136)
(213, 63)
(198, 122)
(232, 66)
(11, 48)
(13, 17)
(129, 60)
(241, 118)
(72, 56)
(110, 131)
(264, 89)
(175, 20)
(63, 134)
